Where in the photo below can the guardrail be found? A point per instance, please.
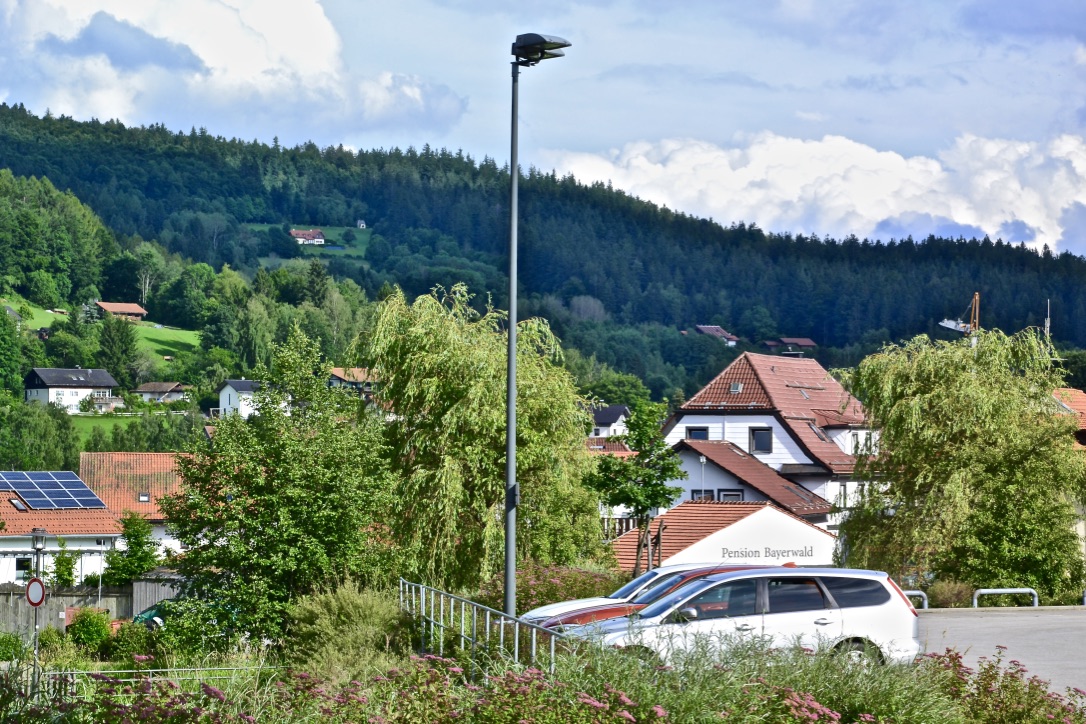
(995, 591)
(450, 621)
(918, 594)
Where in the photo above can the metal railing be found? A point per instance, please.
(448, 622)
(994, 591)
(81, 684)
(918, 594)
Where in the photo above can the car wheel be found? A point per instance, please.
(861, 653)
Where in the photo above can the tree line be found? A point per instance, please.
(620, 278)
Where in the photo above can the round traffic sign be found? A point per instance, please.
(35, 592)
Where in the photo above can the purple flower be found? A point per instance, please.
(623, 714)
(212, 693)
(659, 711)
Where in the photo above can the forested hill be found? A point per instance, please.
(600, 264)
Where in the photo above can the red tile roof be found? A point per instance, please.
(56, 522)
(688, 523)
(1075, 402)
(119, 478)
(122, 308)
(798, 341)
(352, 374)
(307, 234)
(798, 390)
(790, 496)
(714, 330)
(606, 446)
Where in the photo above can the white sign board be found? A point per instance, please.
(35, 592)
(768, 537)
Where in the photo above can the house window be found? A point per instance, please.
(702, 495)
(145, 497)
(735, 388)
(22, 569)
(730, 496)
(595, 432)
(697, 433)
(101, 393)
(761, 440)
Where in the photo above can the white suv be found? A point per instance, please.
(815, 608)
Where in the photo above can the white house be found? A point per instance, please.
(62, 509)
(68, 387)
(609, 420)
(789, 414)
(741, 533)
(162, 392)
(236, 396)
(308, 237)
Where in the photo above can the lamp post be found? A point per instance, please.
(528, 50)
(37, 540)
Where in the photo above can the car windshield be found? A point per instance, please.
(657, 588)
(680, 594)
(634, 586)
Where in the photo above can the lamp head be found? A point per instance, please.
(37, 537)
(530, 48)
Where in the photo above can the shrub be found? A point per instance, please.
(949, 593)
(346, 633)
(540, 585)
(92, 579)
(193, 629)
(90, 630)
(12, 647)
(131, 640)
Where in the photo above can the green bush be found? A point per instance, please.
(50, 637)
(131, 640)
(194, 629)
(59, 652)
(541, 585)
(948, 593)
(92, 579)
(11, 647)
(346, 633)
(90, 630)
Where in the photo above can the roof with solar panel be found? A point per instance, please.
(58, 501)
(60, 490)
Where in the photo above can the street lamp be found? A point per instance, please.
(528, 50)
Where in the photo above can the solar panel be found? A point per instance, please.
(60, 490)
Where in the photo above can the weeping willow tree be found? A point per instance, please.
(975, 476)
(440, 368)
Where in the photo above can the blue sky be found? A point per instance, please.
(880, 119)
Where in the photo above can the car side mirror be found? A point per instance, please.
(684, 615)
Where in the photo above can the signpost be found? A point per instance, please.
(35, 592)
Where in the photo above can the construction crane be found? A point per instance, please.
(974, 319)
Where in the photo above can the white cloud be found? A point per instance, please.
(836, 187)
(239, 67)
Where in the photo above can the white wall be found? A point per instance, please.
(231, 401)
(13, 548)
(709, 476)
(736, 430)
(67, 397)
(769, 537)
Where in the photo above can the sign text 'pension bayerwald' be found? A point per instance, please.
(768, 552)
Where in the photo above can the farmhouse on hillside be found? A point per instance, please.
(308, 237)
(131, 312)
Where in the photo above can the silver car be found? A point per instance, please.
(815, 608)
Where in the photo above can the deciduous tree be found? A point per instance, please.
(441, 372)
(640, 482)
(286, 501)
(975, 476)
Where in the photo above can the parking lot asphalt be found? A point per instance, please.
(1049, 641)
